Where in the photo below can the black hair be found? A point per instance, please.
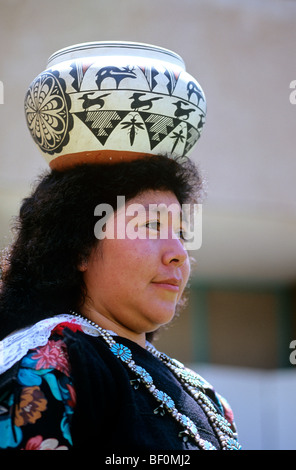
(55, 231)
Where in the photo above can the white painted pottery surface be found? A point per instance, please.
(111, 101)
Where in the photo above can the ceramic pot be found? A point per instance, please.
(108, 101)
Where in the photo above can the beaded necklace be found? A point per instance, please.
(191, 382)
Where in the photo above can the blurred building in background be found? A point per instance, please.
(241, 315)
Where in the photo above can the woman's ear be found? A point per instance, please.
(83, 264)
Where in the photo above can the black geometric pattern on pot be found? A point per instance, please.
(77, 75)
(78, 69)
(158, 127)
(192, 137)
(193, 89)
(101, 123)
(47, 108)
(172, 80)
(116, 73)
(150, 73)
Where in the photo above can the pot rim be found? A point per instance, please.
(107, 48)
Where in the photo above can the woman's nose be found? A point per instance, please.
(174, 252)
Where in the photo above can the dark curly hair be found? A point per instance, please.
(55, 231)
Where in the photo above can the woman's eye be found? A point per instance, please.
(154, 225)
(181, 234)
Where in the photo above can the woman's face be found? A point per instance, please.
(136, 275)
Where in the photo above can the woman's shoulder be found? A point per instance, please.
(51, 356)
(38, 391)
(67, 342)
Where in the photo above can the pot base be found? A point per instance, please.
(70, 160)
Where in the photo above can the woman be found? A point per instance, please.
(79, 306)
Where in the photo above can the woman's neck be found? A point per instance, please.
(108, 323)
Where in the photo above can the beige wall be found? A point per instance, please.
(177, 339)
(243, 329)
(233, 326)
(243, 55)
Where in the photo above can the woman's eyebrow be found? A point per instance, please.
(162, 207)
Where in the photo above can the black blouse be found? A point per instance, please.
(74, 393)
(111, 413)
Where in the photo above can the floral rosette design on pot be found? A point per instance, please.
(108, 101)
(47, 108)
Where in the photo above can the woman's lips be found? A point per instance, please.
(170, 284)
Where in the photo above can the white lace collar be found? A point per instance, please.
(15, 346)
